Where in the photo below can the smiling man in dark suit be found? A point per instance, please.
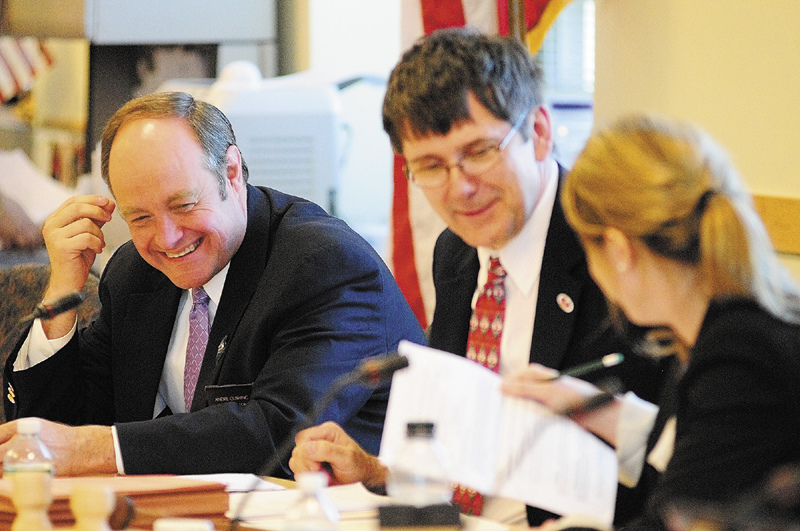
(466, 111)
(294, 299)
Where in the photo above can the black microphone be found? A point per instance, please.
(49, 309)
(370, 372)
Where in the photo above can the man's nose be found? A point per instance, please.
(168, 233)
(460, 182)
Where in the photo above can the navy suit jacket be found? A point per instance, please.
(304, 301)
(560, 339)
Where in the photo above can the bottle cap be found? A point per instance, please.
(420, 429)
(29, 426)
(311, 481)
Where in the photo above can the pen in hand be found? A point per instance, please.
(588, 405)
(609, 388)
(609, 360)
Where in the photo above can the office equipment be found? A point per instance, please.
(317, 135)
(289, 129)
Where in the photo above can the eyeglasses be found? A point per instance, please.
(474, 162)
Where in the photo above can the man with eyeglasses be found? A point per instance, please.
(466, 111)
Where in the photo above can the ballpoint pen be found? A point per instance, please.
(609, 388)
(609, 360)
(588, 405)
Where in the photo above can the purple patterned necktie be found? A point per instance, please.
(198, 338)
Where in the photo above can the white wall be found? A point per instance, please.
(730, 66)
(354, 34)
(348, 38)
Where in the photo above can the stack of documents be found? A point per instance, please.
(500, 445)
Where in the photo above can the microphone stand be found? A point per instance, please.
(51, 308)
(365, 374)
(44, 310)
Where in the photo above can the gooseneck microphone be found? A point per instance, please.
(51, 308)
(370, 372)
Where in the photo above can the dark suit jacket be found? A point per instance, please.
(305, 300)
(737, 406)
(560, 339)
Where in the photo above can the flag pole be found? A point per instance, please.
(516, 19)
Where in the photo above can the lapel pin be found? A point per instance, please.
(221, 348)
(565, 302)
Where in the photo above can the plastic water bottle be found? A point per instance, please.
(29, 465)
(28, 453)
(419, 475)
(315, 511)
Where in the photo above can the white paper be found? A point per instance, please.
(239, 482)
(499, 445)
(267, 508)
(357, 509)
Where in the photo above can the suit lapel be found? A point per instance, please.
(240, 285)
(147, 329)
(456, 277)
(563, 257)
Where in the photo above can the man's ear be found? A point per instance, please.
(618, 249)
(234, 166)
(235, 175)
(543, 133)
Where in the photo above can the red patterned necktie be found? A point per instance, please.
(483, 346)
(198, 338)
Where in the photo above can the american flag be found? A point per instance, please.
(21, 59)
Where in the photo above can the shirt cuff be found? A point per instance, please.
(117, 451)
(636, 420)
(661, 453)
(37, 348)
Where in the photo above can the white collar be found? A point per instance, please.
(214, 286)
(527, 247)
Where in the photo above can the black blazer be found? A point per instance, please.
(737, 405)
(304, 301)
(560, 339)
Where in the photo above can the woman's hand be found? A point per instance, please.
(536, 382)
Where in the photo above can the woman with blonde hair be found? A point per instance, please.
(673, 240)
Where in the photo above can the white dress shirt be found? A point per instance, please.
(170, 389)
(636, 420)
(522, 259)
